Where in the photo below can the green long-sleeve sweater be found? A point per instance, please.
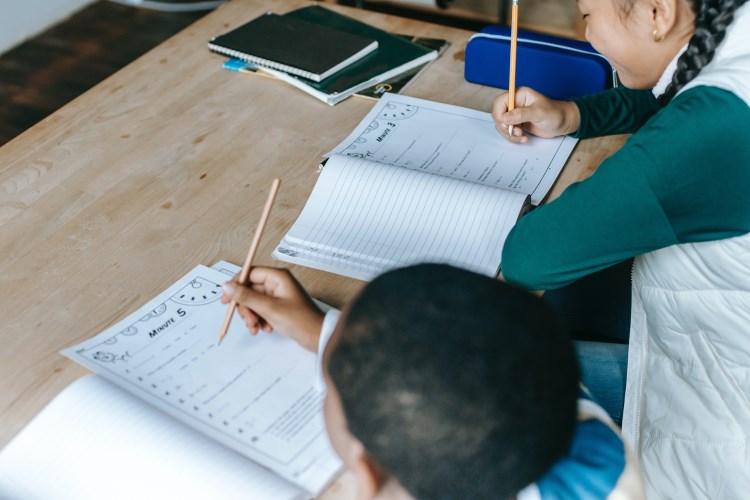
(684, 176)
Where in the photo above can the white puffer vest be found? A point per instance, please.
(687, 402)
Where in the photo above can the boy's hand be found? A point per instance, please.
(274, 300)
(534, 114)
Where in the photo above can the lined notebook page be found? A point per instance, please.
(97, 441)
(364, 218)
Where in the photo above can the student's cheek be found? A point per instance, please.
(605, 46)
(592, 36)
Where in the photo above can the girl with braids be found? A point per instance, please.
(676, 198)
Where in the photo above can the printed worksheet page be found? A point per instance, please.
(255, 394)
(455, 142)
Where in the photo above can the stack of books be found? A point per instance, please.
(326, 54)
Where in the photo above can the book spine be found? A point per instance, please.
(263, 62)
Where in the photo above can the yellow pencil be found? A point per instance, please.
(513, 47)
(245, 273)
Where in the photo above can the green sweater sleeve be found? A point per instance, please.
(615, 111)
(682, 178)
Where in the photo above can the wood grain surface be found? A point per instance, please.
(163, 166)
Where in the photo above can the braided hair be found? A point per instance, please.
(712, 17)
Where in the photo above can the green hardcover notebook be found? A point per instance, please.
(394, 85)
(393, 57)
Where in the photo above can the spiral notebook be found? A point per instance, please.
(394, 57)
(295, 46)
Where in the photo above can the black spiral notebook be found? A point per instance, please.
(292, 45)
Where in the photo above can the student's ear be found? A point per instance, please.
(664, 14)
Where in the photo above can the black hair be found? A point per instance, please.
(712, 17)
(459, 385)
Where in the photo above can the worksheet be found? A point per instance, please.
(455, 142)
(255, 394)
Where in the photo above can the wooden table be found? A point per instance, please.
(164, 166)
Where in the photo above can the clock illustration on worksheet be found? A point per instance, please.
(397, 111)
(372, 126)
(128, 332)
(156, 312)
(198, 292)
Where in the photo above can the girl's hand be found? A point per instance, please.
(275, 301)
(534, 114)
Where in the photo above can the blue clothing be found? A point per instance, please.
(604, 369)
(594, 465)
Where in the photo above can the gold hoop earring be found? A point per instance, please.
(658, 38)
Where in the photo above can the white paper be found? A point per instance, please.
(95, 440)
(254, 394)
(364, 218)
(231, 270)
(456, 142)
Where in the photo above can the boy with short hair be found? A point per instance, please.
(446, 384)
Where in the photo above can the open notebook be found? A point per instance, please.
(420, 181)
(172, 415)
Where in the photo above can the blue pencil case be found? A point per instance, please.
(557, 67)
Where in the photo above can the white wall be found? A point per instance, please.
(22, 19)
